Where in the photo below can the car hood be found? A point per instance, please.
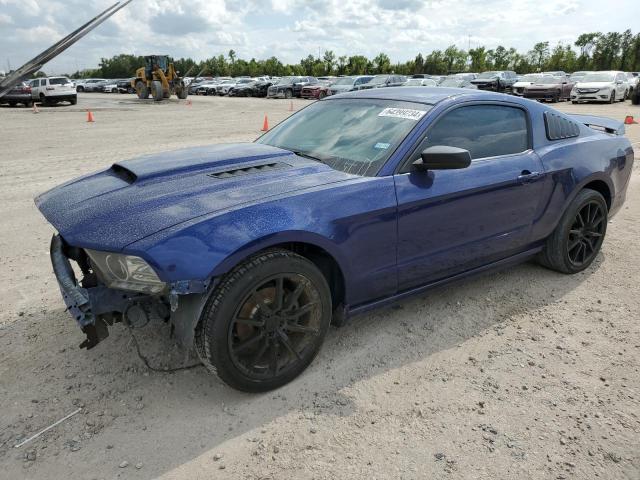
(341, 88)
(594, 84)
(484, 80)
(544, 86)
(111, 209)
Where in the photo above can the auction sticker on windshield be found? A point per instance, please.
(406, 113)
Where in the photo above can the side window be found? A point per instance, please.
(484, 130)
(43, 82)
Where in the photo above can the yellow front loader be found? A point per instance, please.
(159, 79)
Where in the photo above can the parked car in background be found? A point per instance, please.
(88, 84)
(51, 90)
(111, 86)
(467, 76)
(457, 82)
(633, 78)
(303, 82)
(523, 82)
(261, 87)
(577, 76)
(124, 85)
(348, 84)
(497, 81)
(21, 93)
(420, 82)
(318, 91)
(283, 88)
(380, 81)
(245, 89)
(249, 251)
(607, 86)
(207, 88)
(552, 88)
(555, 73)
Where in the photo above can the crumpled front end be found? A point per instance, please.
(96, 305)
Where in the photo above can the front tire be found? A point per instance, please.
(577, 239)
(142, 91)
(612, 98)
(265, 322)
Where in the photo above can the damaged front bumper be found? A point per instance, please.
(96, 307)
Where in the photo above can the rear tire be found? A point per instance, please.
(156, 90)
(578, 237)
(265, 322)
(28, 104)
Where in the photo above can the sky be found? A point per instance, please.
(293, 29)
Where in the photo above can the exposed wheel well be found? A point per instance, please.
(325, 263)
(602, 188)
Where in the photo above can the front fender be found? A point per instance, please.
(279, 238)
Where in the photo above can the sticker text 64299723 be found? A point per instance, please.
(406, 113)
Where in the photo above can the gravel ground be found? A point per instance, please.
(524, 373)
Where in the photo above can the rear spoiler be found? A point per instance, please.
(608, 125)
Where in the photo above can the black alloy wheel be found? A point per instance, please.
(274, 325)
(578, 237)
(586, 234)
(265, 322)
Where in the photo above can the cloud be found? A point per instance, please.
(293, 29)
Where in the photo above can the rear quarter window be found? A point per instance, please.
(559, 128)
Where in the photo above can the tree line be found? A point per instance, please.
(591, 51)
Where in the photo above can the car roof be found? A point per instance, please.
(428, 95)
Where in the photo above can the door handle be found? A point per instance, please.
(529, 177)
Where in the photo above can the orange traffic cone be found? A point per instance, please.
(265, 125)
(89, 117)
(628, 120)
(35, 108)
(291, 106)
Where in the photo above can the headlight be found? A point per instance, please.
(125, 272)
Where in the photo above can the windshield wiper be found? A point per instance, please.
(300, 153)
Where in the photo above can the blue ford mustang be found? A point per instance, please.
(252, 250)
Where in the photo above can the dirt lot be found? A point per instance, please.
(519, 374)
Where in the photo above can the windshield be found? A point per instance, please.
(487, 75)
(597, 77)
(59, 81)
(451, 82)
(414, 82)
(288, 80)
(530, 78)
(548, 80)
(355, 136)
(379, 79)
(344, 81)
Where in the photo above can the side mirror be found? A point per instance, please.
(441, 157)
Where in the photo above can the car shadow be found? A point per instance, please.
(192, 409)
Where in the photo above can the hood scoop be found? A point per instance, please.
(250, 170)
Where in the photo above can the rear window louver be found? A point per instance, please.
(254, 169)
(559, 127)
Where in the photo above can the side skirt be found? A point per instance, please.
(500, 264)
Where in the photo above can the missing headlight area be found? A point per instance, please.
(115, 288)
